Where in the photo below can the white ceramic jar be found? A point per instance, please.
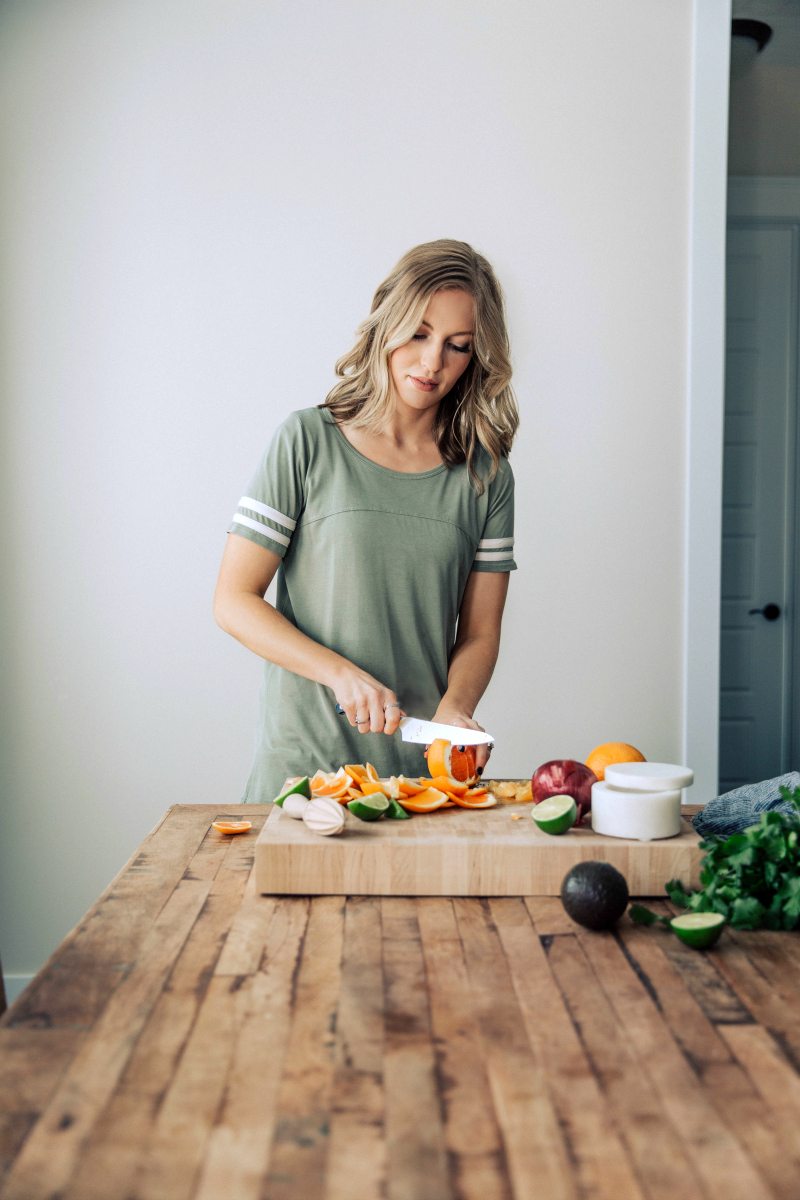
(640, 801)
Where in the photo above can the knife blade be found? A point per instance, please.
(414, 729)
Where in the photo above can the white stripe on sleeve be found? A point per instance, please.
(492, 555)
(265, 530)
(271, 514)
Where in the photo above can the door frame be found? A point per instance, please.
(711, 42)
(771, 199)
(705, 413)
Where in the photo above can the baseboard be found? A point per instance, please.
(15, 985)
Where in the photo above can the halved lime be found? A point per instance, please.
(700, 929)
(369, 808)
(302, 788)
(556, 814)
(396, 811)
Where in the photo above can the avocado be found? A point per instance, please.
(594, 894)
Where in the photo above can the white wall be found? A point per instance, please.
(198, 202)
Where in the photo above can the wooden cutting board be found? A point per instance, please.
(457, 852)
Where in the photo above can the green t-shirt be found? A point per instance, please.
(375, 563)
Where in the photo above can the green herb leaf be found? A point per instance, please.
(645, 916)
(753, 877)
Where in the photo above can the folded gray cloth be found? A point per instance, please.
(736, 810)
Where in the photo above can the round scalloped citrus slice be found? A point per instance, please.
(446, 759)
(232, 826)
(426, 801)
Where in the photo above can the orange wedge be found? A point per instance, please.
(330, 783)
(445, 759)
(410, 787)
(232, 826)
(369, 787)
(476, 799)
(445, 784)
(427, 801)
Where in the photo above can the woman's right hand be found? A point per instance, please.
(369, 706)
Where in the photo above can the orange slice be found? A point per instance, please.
(445, 759)
(445, 784)
(410, 787)
(232, 826)
(476, 799)
(427, 801)
(330, 783)
(369, 787)
(357, 772)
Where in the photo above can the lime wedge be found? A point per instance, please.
(369, 808)
(301, 788)
(556, 814)
(699, 930)
(396, 811)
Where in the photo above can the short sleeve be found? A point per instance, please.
(270, 508)
(495, 550)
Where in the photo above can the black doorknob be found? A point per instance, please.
(770, 612)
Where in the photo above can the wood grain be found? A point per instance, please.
(456, 852)
(228, 1043)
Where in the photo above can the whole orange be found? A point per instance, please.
(609, 754)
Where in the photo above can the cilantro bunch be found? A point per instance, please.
(752, 877)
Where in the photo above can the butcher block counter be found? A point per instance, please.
(194, 1038)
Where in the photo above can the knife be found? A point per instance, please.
(413, 729)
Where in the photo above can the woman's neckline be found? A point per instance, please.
(376, 466)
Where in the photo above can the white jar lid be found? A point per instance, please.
(649, 776)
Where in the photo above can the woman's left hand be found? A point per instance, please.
(449, 716)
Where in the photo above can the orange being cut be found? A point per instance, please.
(232, 826)
(609, 754)
(445, 759)
(427, 801)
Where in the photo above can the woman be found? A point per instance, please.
(388, 514)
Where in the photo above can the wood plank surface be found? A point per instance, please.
(193, 1038)
(457, 852)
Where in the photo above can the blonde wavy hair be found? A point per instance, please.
(481, 410)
